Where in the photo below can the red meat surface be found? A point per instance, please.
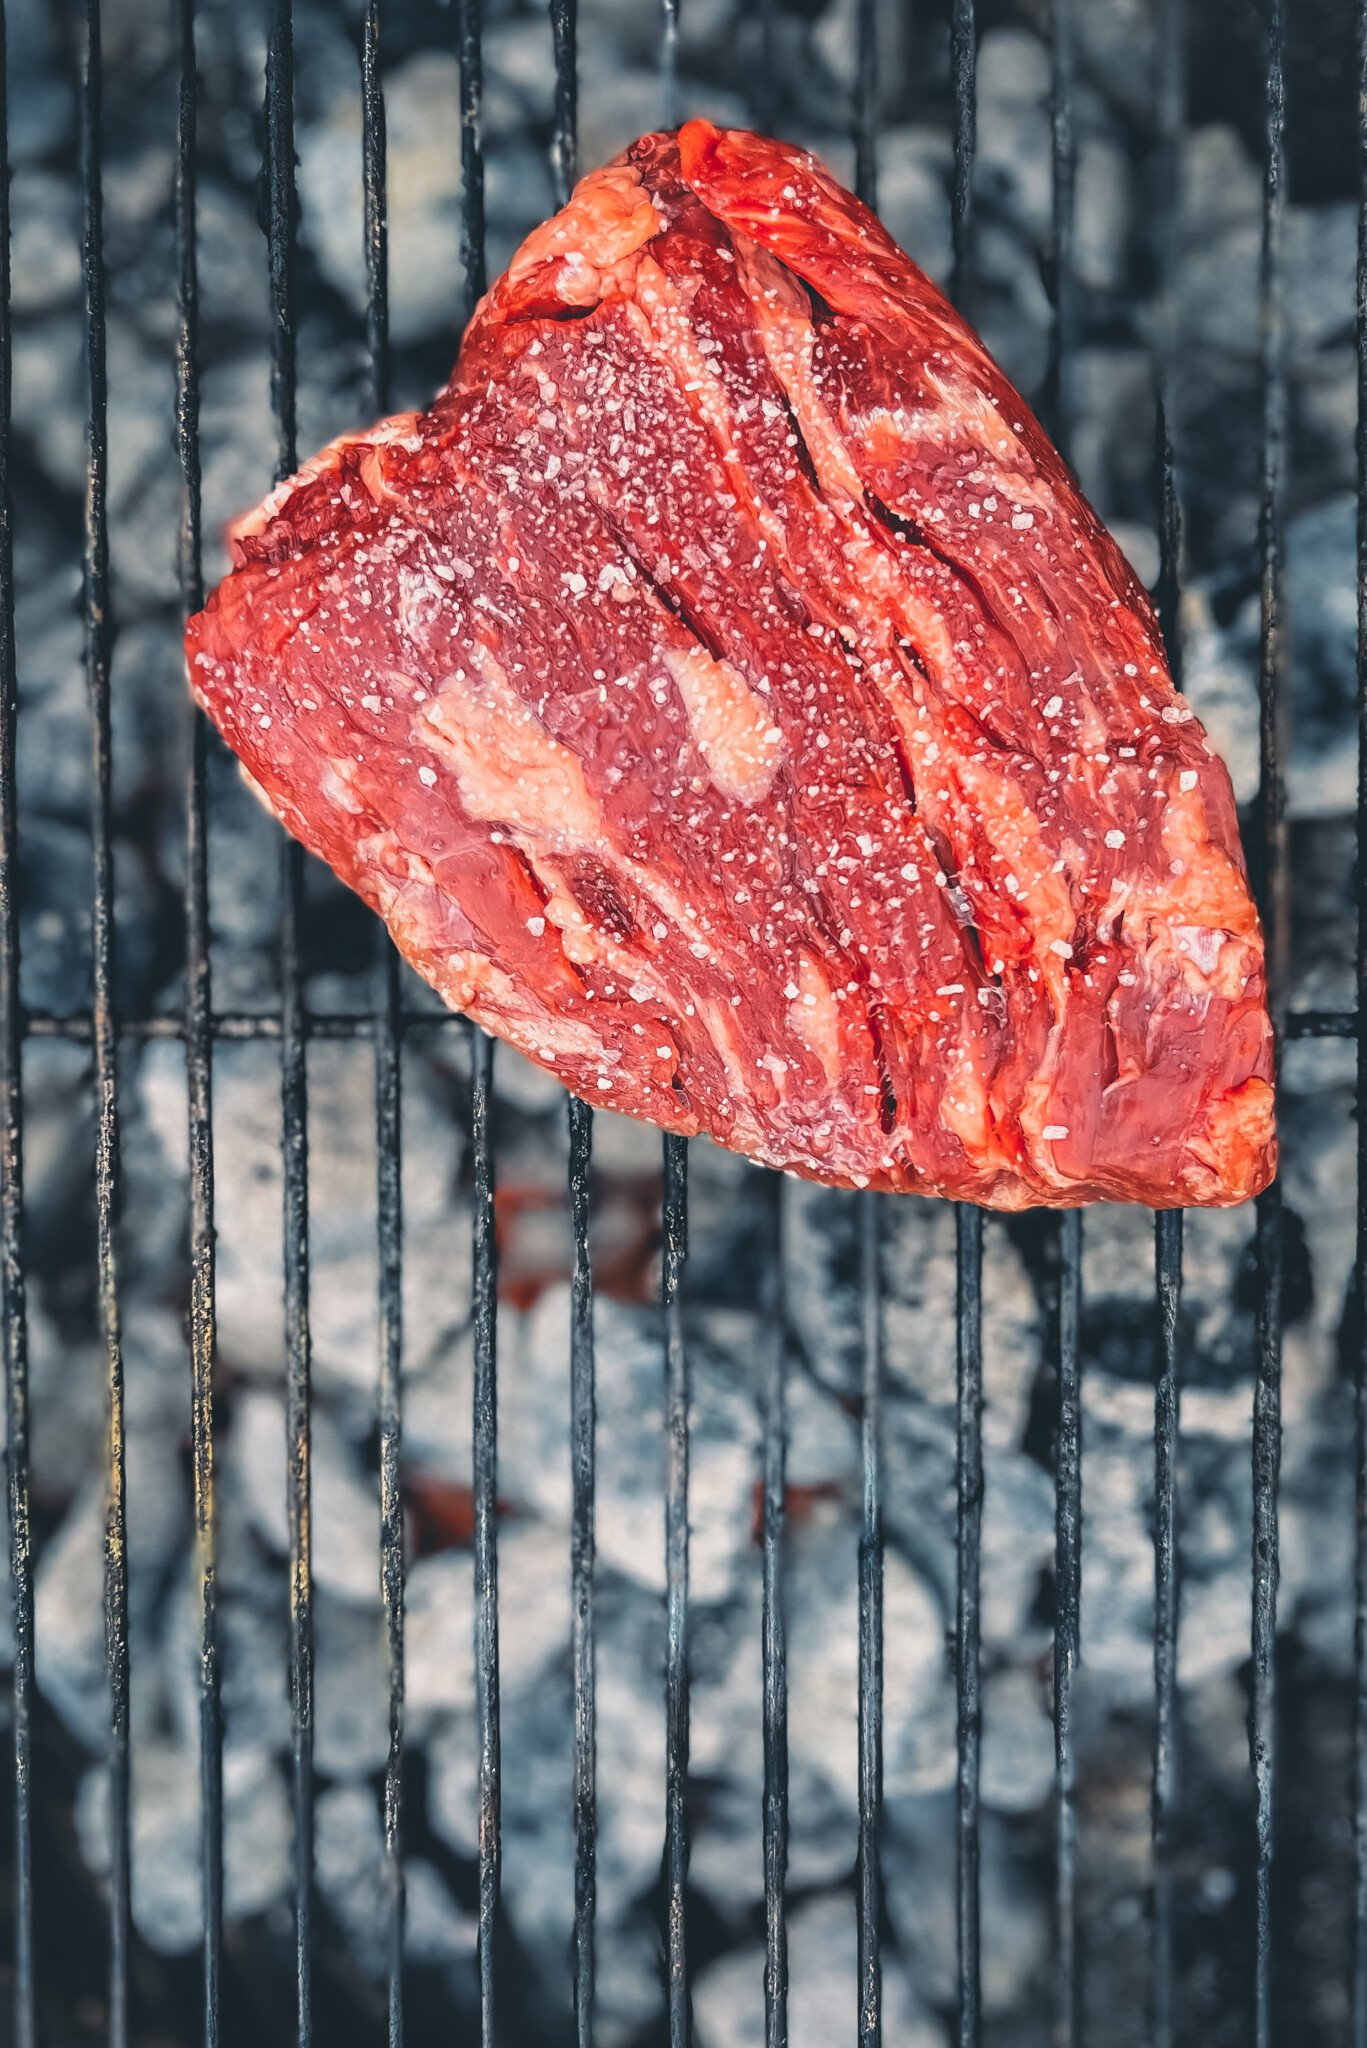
(725, 695)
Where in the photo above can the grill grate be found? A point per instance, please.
(293, 1029)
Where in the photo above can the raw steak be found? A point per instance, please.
(724, 695)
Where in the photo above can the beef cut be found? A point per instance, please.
(725, 695)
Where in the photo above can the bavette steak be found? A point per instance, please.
(725, 695)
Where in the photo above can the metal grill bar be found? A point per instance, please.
(1358, 2018)
(293, 1059)
(564, 170)
(1063, 154)
(388, 1109)
(963, 64)
(343, 1026)
(674, 1252)
(968, 1622)
(1170, 116)
(199, 1023)
(1168, 1267)
(565, 133)
(12, 1302)
(470, 36)
(1266, 1462)
(1169, 120)
(486, 1510)
(669, 63)
(1067, 1615)
(866, 106)
(1271, 868)
(868, 1873)
(243, 1027)
(484, 1239)
(969, 1259)
(774, 1645)
(98, 644)
(582, 1453)
(1068, 1438)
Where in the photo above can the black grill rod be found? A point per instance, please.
(674, 1253)
(564, 170)
(198, 1044)
(866, 105)
(565, 128)
(582, 1480)
(1359, 1785)
(1169, 123)
(1068, 1440)
(969, 1257)
(868, 1873)
(388, 1109)
(1063, 156)
(483, 1239)
(486, 1508)
(344, 1027)
(963, 64)
(12, 1302)
(98, 645)
(1271, 870)
(1067, 1631)
(774, 1651)
(968, 1624)
(1170, 120)
(293, 1061)
(1163, 1797)
(669, 62)
(470, 42)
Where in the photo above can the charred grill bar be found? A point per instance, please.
(200, 1026)
(98, 642)
(15, 1331)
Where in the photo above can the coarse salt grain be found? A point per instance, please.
(1187, 779)
(1055, 1131)
(427, 777)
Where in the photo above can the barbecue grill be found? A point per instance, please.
(1257, 1945)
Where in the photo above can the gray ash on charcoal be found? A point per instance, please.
(1216, 431)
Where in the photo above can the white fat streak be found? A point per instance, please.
(507, 767)
(815, 1017)
(335, 783)
(731, 725)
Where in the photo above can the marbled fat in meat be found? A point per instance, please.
(725, 695)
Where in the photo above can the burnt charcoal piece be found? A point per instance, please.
(724, 695)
